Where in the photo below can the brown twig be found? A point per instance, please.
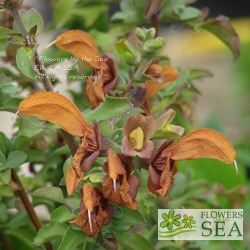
(71, 141)
(41, 69)
(28, 206)
(155, 24)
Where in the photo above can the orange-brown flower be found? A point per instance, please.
(201, 143)
(95, 211)
(57, 109)
(161, 76)
(119, 186)
(105, 71)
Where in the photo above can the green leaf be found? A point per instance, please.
(133, 241)
(30, 18)
(51, 193)
(5, 176)
(6, 192)
(96, 177)
(12, 103)
(30, 126)
(24, 60)
(223, 29)
(91, 13)
(23, 235)
(126, 52)
(64, 150)
(170, 89)
(198, 74)
(19, 142)
(34, 155)
(154, 45)
(63, 12)
(2, 160)
(72, 239)
(3, 32)
(6, 90)
(15, 159)
(50, 232)
(19, 220)
(3, 213)
(165, 134)
(130, 217)
(61, 214)
(17, 39)
(188, 13)
(112, 107)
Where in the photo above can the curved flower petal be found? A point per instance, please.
(81, 45)
(147, 150)
(57, 109)
(202, 143)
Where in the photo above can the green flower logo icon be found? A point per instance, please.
(170, 219)
(188, 221)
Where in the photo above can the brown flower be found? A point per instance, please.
(137, 132)
(119, 186)
(105, 71)
(57, 109)
(201, 143)
(82, 161)
(161, 76)
(95, 211)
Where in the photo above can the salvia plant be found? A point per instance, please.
(103, 163)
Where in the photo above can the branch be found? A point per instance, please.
(155, 24)
(28, 206)
(71, 141)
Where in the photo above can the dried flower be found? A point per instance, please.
(160, 79)
(201, 143)
(95, 211)
(56, 108)
(105, 71)
(119, 186)
(137, 132)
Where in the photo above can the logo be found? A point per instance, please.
(200, 224)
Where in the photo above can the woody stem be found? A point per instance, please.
(155, 24)
(28, 206)
(71, 141)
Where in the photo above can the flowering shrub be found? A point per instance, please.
(104, 173)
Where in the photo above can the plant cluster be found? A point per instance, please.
(122, 136)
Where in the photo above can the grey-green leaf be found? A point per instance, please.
(24, 60)
(2, 160)
(133, 241)
(15, 159)
(126, 52)
(51, 193)
(30, 18)
(130, 217)
(72, 239)
(112, 107)
(223, 29)
(50, 232)
(62, 214)
(30, 126)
